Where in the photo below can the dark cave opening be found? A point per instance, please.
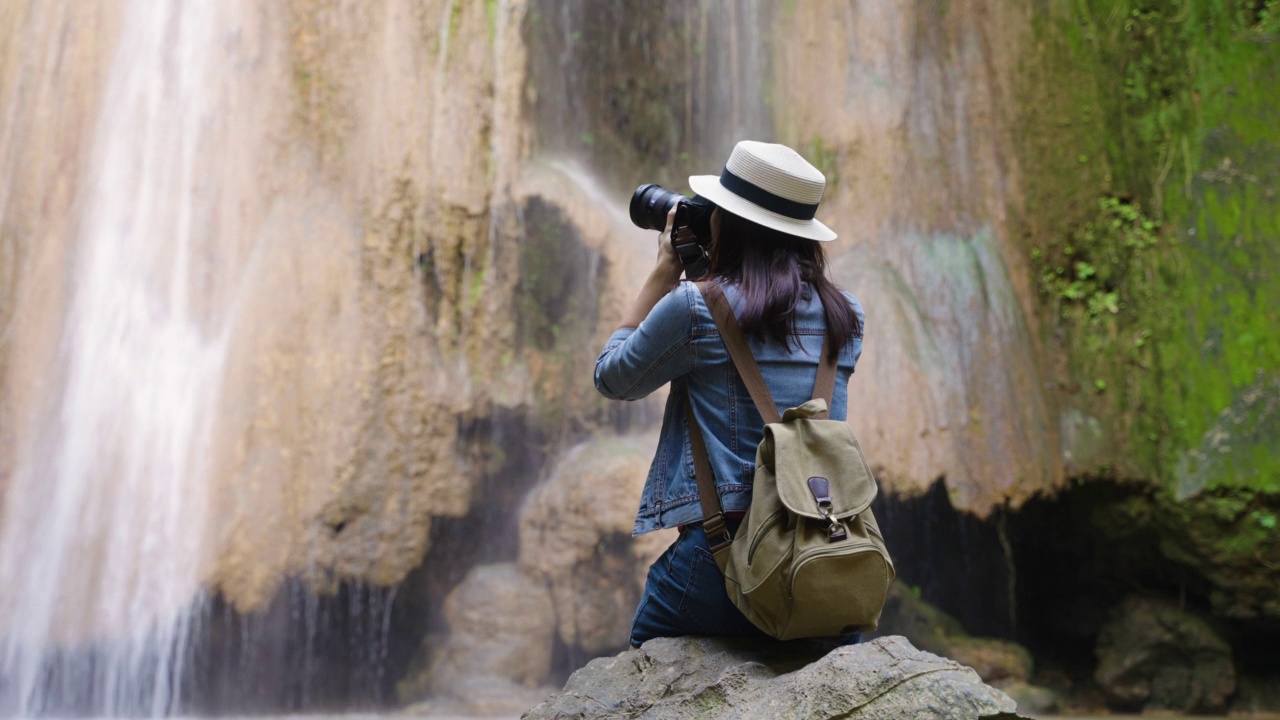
(1048, 575)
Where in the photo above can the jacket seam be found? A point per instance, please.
(653, 366)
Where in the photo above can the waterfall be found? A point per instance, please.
(104, 529)
(681, 82)
(304, 296)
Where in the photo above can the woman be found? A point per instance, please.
(766, 255)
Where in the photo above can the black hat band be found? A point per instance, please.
(748, 190)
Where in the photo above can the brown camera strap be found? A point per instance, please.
(740, 352)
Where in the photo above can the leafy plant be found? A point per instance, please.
(1260, 19)
(1096, 272)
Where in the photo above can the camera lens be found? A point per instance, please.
(650, 204)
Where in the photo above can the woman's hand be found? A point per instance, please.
(665, 274)
(668, 267)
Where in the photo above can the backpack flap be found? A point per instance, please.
(820, 469)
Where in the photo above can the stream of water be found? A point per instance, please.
(104, 526)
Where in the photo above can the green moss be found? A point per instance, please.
(1238, 448)
(708, 702)
(1224, 535)
(455, 18)
(556, 312)
(1188, 143)
(491, 18)
(1226, 526)
(825, 158)
(476, 290)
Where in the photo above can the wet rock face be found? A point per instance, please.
(575, 538)
(935, 631)
(1151, 655)
(498, 649)
(576, 583)
(342, 361)
(679, 678)
(919, 179)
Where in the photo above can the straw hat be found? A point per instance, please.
(771, 185)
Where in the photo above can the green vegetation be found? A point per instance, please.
(1225, 536)
(1099, 263)
(1103, 281)
(825, 158)
(556, 312)
(1261, 18)
(1152, 216)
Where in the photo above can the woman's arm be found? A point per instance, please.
(664, 275)
(651, 347)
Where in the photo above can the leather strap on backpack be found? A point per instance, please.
(718, 537)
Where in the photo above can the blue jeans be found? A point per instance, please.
(684, 595)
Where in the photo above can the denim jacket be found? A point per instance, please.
(679, 343)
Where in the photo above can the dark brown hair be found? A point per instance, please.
(771, 269)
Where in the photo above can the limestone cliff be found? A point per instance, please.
(271, 274)
(358, 237)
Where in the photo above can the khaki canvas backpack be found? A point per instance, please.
(808, 559)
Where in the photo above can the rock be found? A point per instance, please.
(575, 537)
(1256, 695)
(993, 659)
(695, 677)
(490, 698)
(937, 632)
(1224, 536)
(1151, 655)
(1032, 699)
(497, 651)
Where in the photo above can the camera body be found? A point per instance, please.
(650, 204)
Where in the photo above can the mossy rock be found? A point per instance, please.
(1153, 655)
(934, 630)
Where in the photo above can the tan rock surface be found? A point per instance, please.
(344, 141)
(909, 121)
(497, 651)
(356, 205)
(575, 535)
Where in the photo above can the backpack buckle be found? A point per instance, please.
(714, 527)
(836, 532)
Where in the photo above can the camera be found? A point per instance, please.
(650, 204)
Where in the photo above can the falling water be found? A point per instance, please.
(109, 601)
(683, 80)
(104, 523)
